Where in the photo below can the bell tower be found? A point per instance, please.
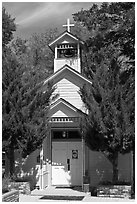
(67, 49)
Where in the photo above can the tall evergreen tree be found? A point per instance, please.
(109, 63)
(25, 103)
(109, 127)
(25, 108)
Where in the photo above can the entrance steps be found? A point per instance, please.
(53, 193)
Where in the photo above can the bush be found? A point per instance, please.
(5, 184)
(93, 190)
(21, 179)
(115, 183)
(25, 178)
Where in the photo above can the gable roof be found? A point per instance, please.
(59, 74)
(73, 111)
(62, 36)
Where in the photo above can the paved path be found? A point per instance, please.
(36, 196)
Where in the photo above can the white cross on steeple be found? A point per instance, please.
(68, 25)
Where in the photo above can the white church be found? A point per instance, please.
(64, 159)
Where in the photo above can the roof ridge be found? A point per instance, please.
(67, 102)
(64, 66)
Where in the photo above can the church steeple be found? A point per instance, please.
(67, 49)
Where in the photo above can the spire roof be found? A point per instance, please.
(62, 38)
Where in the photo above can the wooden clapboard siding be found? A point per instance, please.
(73, 62)
(69, 91)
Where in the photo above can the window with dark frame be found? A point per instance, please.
(66, 134)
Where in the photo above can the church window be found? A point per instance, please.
(66, 134)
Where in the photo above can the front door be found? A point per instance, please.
(67, 163)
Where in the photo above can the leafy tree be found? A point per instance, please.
(109, 63)
(35, 54)
(41, 52)
(8, 27)
(110, 24)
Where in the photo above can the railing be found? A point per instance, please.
(12, 196)
(64, 119)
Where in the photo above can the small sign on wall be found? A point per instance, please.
(74, 154)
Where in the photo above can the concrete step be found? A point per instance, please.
(53, 193)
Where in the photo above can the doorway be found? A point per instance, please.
(66, 158)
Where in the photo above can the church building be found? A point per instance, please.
(64, 159)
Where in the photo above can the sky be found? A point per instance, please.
(36, 17)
